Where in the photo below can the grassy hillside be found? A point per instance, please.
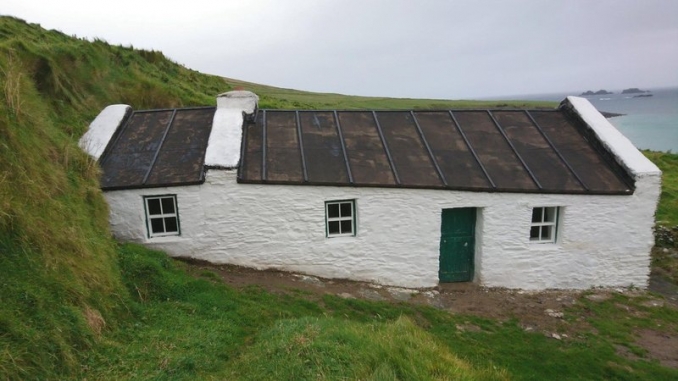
(70, 297)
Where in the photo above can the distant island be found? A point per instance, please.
(609, 115)
(599, 92)
(634, 90)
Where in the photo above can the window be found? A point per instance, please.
(340, 218)
(162, 218)
(544, 224)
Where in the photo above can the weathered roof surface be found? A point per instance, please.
(158, 148)
(541, 151)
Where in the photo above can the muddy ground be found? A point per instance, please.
(540, 312)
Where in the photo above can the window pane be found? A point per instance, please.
(168, 205)
(346, 209)
(333, 227)
(346, 227)
(157, 226)
(332, 210)
(536, 214)
(534, 233)
(546, 233)
(550, 215)
(171, 225)
(153, 206)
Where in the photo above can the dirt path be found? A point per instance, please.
(539, 311)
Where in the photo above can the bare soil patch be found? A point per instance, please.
(661, 346)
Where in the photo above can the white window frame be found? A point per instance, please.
(162, 215)
(340, 219)
(552, 225)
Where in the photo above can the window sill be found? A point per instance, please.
(340, 238)
(166, 239)
(544, 245)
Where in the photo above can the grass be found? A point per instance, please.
(667, 212)
(195, 327)
(665, 252)
(74, 304)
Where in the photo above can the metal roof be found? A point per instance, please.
(540, 151)
(156, 148)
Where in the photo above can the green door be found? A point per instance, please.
(457, 241)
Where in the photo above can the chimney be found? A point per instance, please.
(223, 146)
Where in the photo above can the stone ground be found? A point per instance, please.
(540, 312)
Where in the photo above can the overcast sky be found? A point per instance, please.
(398, 48)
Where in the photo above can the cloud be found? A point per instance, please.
(402, 48)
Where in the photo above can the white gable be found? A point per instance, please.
(101, 130)
(626, 154)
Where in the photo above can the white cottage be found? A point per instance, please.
(530, 199)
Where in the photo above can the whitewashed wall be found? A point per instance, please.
(603, 240)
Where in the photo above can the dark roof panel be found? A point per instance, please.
(494, 152)
(181, 156)
(538, 155)
(251, 162)
(596, 174)
(455, 159)
(366, 153)
(325, 162)
(408, 152)
(158, 147)
(283, 155)
(125, 170)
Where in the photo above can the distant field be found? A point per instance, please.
(275, 97)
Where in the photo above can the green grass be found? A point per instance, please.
(195, 327)
(664, 254)
(331, 348)
(667, 212)
(74, 304)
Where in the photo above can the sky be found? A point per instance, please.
(398, 48)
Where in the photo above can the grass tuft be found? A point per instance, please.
(329, 348)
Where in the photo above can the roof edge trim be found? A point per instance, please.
(621, 148)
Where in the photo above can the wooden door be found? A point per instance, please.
(457, 245)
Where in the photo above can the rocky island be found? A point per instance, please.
(599, 92)
(633, 90)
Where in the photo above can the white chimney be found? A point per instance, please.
(223, 147)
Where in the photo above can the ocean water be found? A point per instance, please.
(649, 122)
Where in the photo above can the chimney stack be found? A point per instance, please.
(223, 147)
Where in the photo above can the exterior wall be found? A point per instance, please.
(602, 240)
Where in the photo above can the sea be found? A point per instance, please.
(649, 122)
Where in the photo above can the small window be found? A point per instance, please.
(340, 218)
(544, 224)
(162, 218)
